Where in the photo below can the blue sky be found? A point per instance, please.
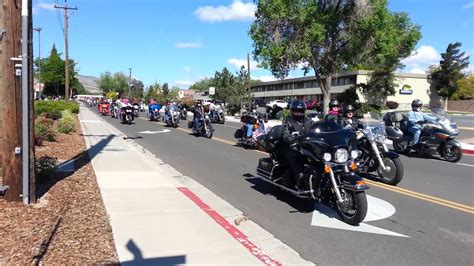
(182, 41)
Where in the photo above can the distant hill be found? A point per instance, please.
(90, 83)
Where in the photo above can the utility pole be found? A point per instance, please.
(129, 81)
(248, 81)
(66, 25)
(39, 61)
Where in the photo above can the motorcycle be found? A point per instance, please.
(259, 127)
(375, 156)
(328, 153)
(217, 115)
(183, 114)
(104, 108)
(436, 138)
(154, 112)
(205, 127)
(136, 109)
(172, 117)
(114, 110)
(126, 114)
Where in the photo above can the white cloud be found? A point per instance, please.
(187, 69)
(183, 83)
(187, 45)
(236, 11)
(242, 62)
(421, 59)
(469, 5)
(46, 6)
(264, 78)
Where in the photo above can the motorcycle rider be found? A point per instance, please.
(415, 119)
(169, 107)
(296, 122)
(348, 120)
(333, 113)
(198, 112)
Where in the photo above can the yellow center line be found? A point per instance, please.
(407, 192)
(466, 128)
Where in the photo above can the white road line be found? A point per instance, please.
(463, 164)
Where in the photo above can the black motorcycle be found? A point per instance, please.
(126, 114)
(183, 113)
(375, 156)
(114, 110)
(205, 127)
(136, 109)
(436, 138)
(327, 151)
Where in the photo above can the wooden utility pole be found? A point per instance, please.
(248, 81)
(10, 100)
(66, 46)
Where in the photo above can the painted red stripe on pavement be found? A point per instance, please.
(234, 232)
(468, 152)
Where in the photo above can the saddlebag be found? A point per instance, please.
(190, 124)
(239, 133)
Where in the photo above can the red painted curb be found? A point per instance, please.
(471, 152)
(234, 232)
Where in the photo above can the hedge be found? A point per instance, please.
(48, 107)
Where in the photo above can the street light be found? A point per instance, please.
(40, 92)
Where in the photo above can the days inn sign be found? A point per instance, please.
(406, 89)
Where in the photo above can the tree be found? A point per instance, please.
(202, 85)
(121, 84)
(449, 72)
(324, 36)
(106, 82)
(465, 89)
(136, 89)
(165, 89)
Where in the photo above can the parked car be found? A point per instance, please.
(259, 102)
(279, 103)
(311, 104)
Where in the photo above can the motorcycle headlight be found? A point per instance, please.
(327, 157)
(355, 154)
(341, 155)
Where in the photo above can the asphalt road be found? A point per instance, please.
(433, 203)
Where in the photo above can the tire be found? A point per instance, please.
(209, 131)
(400, 146)
(358, 203)
(175, 124)
(452, 153)
(395, 174)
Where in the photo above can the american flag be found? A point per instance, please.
(258, 132)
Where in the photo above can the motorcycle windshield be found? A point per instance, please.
(441, 114)
(330, 133)
(373, 121)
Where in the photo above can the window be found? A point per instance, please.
(307, 84)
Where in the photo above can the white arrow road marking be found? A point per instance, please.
(378, 209)
(155, 132)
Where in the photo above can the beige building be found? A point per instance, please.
(409, 87)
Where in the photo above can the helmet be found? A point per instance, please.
(349, 109)
(297, 109)
(416, 103)
(333, 103)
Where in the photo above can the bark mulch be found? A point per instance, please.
(69, 224)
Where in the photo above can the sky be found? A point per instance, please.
(183, 41)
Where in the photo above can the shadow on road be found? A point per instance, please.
(139, 260)
(299, 204)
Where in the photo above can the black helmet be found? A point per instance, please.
(297, 109)
(416, 103)
(349, 109)
(333, 103)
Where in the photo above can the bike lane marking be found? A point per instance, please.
(378, 209)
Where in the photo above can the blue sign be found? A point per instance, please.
(406, 89)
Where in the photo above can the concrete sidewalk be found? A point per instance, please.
(158, 216)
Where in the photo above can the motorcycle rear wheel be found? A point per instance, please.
(400, 146)
(452, 153)
(354, 208)
(394, 173)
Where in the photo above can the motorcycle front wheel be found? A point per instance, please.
(209, 131)
(353, 209)
(452, 153)
(223, 120)
(393, 172)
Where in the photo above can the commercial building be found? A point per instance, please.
(409, 87)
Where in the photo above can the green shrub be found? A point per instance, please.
(42, 107)
(44, 167)
(363, 108)
(53, 114)
(67, 123)
(44, 130)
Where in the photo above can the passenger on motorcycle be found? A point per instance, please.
(415, 119)
(333, 113)
(296, 122)
(348, 120)
(152, 105)
(252, 117)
